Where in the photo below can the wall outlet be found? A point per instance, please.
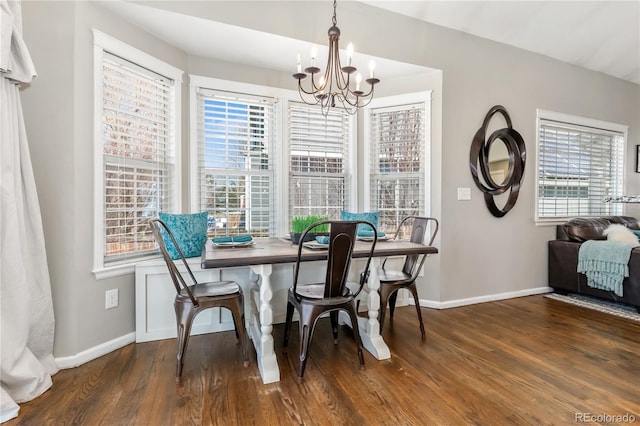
(111, 298)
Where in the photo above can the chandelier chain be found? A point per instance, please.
(334, 20)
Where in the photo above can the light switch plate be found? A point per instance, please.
(464, 194)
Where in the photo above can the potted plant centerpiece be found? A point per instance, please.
(300, 223)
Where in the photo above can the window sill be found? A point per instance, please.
(121, 269)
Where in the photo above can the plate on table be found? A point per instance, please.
(384, 238)
(233, 244)
(314, 245)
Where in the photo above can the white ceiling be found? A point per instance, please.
(602, 36)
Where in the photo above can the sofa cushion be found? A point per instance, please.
(581, 229)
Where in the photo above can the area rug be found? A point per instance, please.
(612, 308)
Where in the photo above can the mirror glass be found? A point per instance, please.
(499, 161)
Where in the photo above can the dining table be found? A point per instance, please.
(260, 254)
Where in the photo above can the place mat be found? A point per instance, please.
(612, 308)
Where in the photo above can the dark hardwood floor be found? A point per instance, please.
(521, 361)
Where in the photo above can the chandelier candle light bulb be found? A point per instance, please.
(335, 87)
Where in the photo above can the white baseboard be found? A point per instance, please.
(119, 342)
(481, 299)
(95, 352)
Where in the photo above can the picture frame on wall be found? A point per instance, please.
(637, 158)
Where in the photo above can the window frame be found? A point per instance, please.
(424, 98)
(569, 120)
(104, 43)
(349, 163)
(281, 172)
(208, 83)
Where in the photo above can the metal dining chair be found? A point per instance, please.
(330, 295)
(192, 299)
(392, 280)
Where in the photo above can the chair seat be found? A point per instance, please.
(315, 292)
(217, 288)
(391, 276)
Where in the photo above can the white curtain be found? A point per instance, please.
(27, 323)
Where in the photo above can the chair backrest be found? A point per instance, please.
(158, 228)
(419, 229)
(342, 238)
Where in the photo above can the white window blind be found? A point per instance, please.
(319, 173)
(578, 167)
(236, 135)
(397, 163)
(138, 155)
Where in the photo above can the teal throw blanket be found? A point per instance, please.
(605, 263)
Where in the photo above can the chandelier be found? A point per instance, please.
(335, 86)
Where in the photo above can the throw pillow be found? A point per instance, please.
(368, 216)
(189, 230)
(620, 233)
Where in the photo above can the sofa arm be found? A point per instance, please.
(563, 262)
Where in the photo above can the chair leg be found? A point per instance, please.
(184, 319)
(287, 324)
(413, 290)
(392, 304)
(356, 332)
(334, 325)
(384, 291)
(237, 312)
(307, 325)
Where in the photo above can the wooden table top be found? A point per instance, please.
(278, 250)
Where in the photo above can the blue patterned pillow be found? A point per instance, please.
(189, 230)
(368, 216)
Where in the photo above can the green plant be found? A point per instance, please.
(300, 223)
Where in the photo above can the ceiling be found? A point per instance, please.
(602, 36)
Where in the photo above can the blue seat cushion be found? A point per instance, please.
(368, 216)
(189, 230)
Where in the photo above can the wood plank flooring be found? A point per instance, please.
(525, 361)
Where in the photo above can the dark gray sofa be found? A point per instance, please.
(563, 259)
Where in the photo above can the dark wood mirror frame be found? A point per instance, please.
(479, 159)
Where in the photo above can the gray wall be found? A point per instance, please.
(481, 256)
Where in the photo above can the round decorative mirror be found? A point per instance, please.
(500, 159)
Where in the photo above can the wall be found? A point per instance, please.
(481, 257)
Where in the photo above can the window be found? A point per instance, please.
(235, 162)
(398, 143)
(580, 163)
(319, 158)
(136, 146)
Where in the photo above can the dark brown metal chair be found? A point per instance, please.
(332, 295)
(192, 299)
(393, 280)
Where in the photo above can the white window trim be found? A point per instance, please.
(101, 43)
(281, 172)
(397, 100)
(543, 114)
